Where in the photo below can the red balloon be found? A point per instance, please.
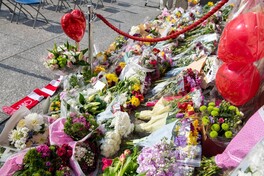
(237, 82)
(74, 24)
(243, 39)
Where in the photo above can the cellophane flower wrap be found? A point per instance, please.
(25, 129)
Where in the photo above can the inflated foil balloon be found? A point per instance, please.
(243, 39)
(74, 24)
(237, 82)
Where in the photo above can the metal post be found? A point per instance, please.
(90, 39)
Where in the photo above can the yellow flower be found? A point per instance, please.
(136, 87)
(190, 108)
(111, 77)
(210, 4)
(178, 14)
(58, 103)
(193, 1)
(195, 124)
(148, 43)
(135, 101)
(192, 140)
(101, 57)
(122, 64)
(98, 69)
(21, 123)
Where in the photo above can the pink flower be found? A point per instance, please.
(221, 120)
(106, 163)
(122, 157)
(50, 55)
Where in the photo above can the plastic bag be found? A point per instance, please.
(252, 164)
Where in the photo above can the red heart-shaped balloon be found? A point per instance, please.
(74, 24)
(237, 82)
(243, 39)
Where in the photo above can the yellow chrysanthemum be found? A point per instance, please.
(111, 77)
(122, 64)
(136, 87)
(98, 69)
(210, 4)
(21, 123)
(135, 101)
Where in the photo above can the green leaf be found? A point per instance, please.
(81, 99)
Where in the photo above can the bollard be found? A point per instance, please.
(90, 39)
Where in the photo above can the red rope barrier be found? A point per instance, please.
(174, 35)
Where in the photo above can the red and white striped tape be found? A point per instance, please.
(34, 97)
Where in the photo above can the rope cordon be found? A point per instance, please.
(171, 36)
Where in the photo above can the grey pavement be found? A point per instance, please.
(23, 48)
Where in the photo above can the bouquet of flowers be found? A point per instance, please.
(46, 160)
(125, 164)
(182, 84)
(117, 127)
(161, 159)
(77, 126)
(65, 57)
(222, 122)
(29, 131)
(86, 154)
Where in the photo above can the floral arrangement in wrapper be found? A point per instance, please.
(187, 139)
(221, 122)
(91, 103)
(250, 134)
(65, 57)
(54, 107)
(86, 154)
(119, 42)
(47, 160)
(30, 130)
(133, 89)
(117, 127)
(125, 164)
(77, 126)
(187, 81)
(161, 159)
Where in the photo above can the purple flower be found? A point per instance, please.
(179, 115)
(211, 119)
(44, 150)
(48, 164)
(180, 141)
